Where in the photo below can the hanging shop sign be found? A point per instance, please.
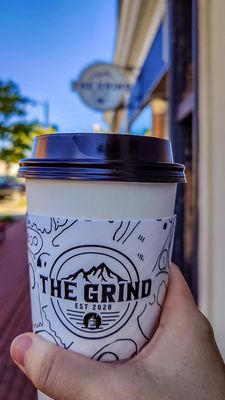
(102, 86)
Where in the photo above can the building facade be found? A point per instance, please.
(173, 53)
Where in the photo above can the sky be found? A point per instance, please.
(46, 44)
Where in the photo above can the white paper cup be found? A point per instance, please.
(100, 232)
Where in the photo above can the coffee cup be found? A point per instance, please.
(100, 228)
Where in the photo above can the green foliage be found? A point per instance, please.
(16, 134)
(11, 101)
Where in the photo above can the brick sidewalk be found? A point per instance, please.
(15, 311)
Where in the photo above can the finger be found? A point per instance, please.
(59, 373)
(177, 289)
(177, 306)
(179, 301)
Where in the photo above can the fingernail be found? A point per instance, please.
(19, 347)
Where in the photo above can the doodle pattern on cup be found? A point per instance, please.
(97, 287)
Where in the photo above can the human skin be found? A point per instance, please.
(181, 362)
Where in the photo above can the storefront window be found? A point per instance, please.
(159, 118)
(152, 121)
(142, 125)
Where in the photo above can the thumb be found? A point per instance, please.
(59, 373)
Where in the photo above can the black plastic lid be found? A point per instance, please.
(106, 157)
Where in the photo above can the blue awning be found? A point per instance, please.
(151, 73)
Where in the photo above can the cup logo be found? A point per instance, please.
(87, 283)
(92, 321)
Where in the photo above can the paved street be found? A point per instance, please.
(14, 206)
(15, 311)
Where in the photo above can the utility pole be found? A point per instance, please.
(46, 107)
(46, 113)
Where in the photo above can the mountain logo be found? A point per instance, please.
(102, 273)
(93, 290)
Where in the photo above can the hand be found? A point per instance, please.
(182, 361)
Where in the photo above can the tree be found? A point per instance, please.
(16, 133)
